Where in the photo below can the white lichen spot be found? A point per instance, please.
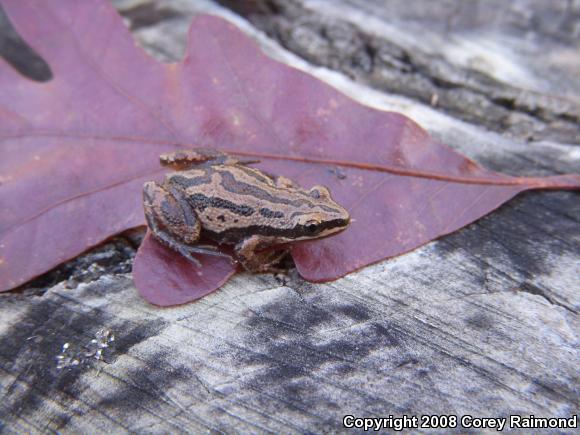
(72, 356)
(434, 99)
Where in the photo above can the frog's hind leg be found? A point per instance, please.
(173, 223)
(188, 159)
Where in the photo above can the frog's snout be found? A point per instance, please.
(343, 218)
(346, 220)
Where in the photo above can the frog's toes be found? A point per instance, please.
(187, 255)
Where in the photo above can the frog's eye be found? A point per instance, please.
(311, 227)
(319, 192)
(315, 193)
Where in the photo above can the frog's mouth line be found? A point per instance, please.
(328, 229)
(325, 233)
(293, 242)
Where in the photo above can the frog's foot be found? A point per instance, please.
(187, 255)
(170, 242)
(186, 250)
(206, 250)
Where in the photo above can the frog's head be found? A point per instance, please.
(321, 218)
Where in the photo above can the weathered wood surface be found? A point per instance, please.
(482, 322)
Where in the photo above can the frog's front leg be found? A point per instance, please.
(259, 262)
(173, 222)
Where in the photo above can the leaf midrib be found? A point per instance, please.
(501, 180)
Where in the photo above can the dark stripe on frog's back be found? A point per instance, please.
(203, 185)
(200, 202)
(236, 186)
(186, 181)
(267, 213)
(234, 235)
(197, 177)
(287, 194)
(240, 197)
(202, 193)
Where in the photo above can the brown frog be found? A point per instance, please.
(215, 195)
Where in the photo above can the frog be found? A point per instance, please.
(215, 196)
